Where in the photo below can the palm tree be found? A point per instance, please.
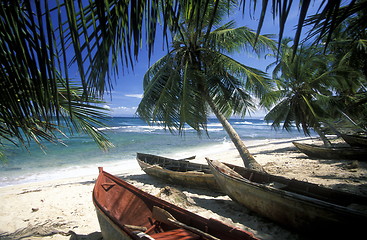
(41, 39)
(197, 76)
(350, 51)
(306, 88)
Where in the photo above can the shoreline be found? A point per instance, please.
(124, 164)
(63, 208)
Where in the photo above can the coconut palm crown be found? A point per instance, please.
(308, 85)
(197, 76)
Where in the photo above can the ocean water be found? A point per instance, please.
(81, 156)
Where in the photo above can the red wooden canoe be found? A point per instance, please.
(126, 212)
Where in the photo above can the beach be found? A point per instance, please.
(63, 208)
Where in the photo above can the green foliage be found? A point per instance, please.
(177, 87)
(335, 14)
(299, 80)
(37, 101)
(311, 88)
(350, 51)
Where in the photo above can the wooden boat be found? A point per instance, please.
(315, 151)
(180, 172)
(355, 140)
(305, 207)
(126, 212)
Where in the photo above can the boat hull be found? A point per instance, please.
(181, 172)
(355, 141)
(123, 208)
(346, 153)
(296, 211)
(109, 229)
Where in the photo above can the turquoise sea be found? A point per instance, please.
(81, 156)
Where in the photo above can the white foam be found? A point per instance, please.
(114, 167)
(133, 128)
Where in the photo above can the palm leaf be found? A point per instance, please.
(255, 81)
(242, 38)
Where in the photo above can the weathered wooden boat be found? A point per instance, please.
(180, 172)
(126, 212)
(315, 151)
(355, 140)
(305, 207)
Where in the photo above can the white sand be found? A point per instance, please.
(63, 209)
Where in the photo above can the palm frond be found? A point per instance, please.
(333, 15)
(228, 95)
(241, 39)
(171, 97)
(253, 80)
(280, 114)
(329, 16)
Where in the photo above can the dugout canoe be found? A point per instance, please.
(300, 206)
(181, 172)
(126, 212)
(348, 153)
(355, 140)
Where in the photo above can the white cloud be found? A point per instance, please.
(122, 111)
(140, 96)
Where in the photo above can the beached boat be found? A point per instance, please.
(126, 212)
(315, 151)
(355, 140)
(180, 172)
(301, 206)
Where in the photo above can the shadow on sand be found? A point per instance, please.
(91, 236)
(46, 230)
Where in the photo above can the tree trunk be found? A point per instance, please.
(322, 136)
(248, 160)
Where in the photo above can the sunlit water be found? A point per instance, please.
(81, 156)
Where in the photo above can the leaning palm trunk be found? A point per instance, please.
(248, 160)
(322, 136)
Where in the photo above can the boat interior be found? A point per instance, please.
(299, 187)
(174, 165)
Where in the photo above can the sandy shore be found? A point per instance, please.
(63, 209)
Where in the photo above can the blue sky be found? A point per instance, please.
(128, 89)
